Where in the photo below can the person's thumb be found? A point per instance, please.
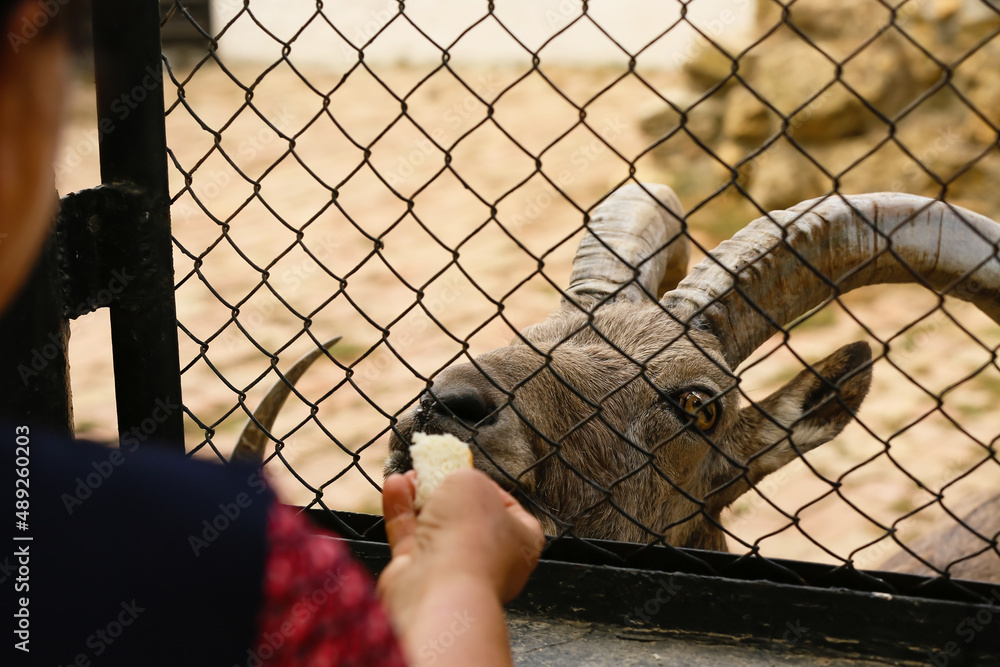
(400, 516)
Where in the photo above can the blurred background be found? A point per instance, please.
(416, 182)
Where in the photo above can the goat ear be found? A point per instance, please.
(823, 399)
(813, 408)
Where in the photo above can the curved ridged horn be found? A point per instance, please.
(253, 440)
(791, 261)
(634, 239)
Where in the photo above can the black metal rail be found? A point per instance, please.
(130, 109)
(667, 593)
(112, 248)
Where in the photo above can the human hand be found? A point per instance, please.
(470, 530)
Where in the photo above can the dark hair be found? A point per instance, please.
(6, 6)
(70, 17)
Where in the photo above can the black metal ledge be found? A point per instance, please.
(663, 595)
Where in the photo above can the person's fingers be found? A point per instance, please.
(507, 499)
(400, 516)
(534, 535)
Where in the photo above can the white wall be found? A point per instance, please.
(634, 23)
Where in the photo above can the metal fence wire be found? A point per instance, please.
(332, 179)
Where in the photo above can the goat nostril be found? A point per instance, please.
(468, 407)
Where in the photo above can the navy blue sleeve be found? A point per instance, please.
(141, 557)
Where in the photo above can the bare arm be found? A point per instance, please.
(470, 550)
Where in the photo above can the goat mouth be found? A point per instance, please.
(398, 462)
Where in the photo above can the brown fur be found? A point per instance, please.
(967, 550)
(580, 414)
(580, 424)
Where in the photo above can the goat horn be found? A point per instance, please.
(783, 265)
(255, 434)
(634, 245)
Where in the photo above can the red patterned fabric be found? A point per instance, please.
(319, 604)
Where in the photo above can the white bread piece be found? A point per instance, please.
(435, 457)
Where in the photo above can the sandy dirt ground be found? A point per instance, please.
(323, 247)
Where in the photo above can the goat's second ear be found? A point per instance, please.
(821, 400)
(813, 408)
(832, 391)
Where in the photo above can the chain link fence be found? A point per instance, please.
(418, 184)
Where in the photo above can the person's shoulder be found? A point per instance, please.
(81, 472)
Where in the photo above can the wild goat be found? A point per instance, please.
(619, 416)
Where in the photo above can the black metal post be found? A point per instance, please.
(129, 77)
(34, 374)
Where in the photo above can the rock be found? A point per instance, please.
(790, 74)
(963, 13)
(949, 28)
(782, 177)
(685, 166)
(658, 118)
(732, 154)
(921, 68)
(702, 117)
(844, 122)
(978, 78)
(707, 66)
(941, 10)
(746, 118)
(881, 75)
(861, 165)
(938, 150)
(787, 71)
(821, 19)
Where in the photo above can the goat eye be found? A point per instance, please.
(701, 408)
